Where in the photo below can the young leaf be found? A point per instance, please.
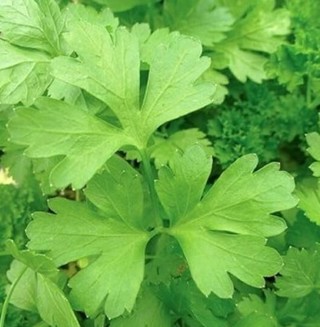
(224, 233)
(57, 128)
(300, 274)
(118, 248)
(35, 24)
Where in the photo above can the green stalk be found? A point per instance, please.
(78, 196)
(308, 93)
(150, 180)
(6, 302)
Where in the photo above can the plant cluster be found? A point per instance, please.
(132, 130)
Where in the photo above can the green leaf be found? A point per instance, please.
(148, 311)
(117, 249)
(167, 263)
(112, 192)
(165, 148)
(106, 69)
(109, 70)
(225, 232)
(39, 263)
(202, 19)
(24, 75)
(308, 192)
(313, 140)
(150, 42)
(181, 186)
(35, 24)
(52, 304)
(259, 29)
(122, 5)
(301, 312)
(171, 90)
(104, 17)
(56, 128)
(37, 293)
(258, 312)
(211, 255)
(186, 301)
(302, 233)
(244, 64)
(300, 274)
(24, 296)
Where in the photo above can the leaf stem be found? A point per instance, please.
(308, 93)
(8, 297)
(150, 180)
(77, 195)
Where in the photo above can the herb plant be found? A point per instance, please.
(135, 170)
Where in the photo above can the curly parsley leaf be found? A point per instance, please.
(300, 274)
(225, 232)
(298, 60)
(117, 249)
